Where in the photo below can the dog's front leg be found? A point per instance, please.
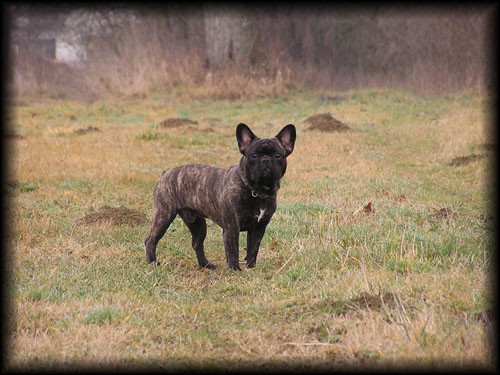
(231, 236)
(253, 243)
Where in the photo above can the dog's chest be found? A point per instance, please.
(262, 214)
(257, 214)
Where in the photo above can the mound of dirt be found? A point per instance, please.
(14, 136)
(488, 146)
(326, 123)
(86, 130)
(464, 160)
(176, 122)
(365, 301)
(14, 184)
(115, 216)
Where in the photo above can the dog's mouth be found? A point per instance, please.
(267, 172)
(266, 180)
(268, 186)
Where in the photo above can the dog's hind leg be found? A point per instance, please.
(161, 221)
(198, 227)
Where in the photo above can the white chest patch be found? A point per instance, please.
(261, 215)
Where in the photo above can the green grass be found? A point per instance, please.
(84, 294)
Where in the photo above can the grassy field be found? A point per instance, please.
(379, 253)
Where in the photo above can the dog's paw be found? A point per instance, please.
(210, 266)
(235, 267)
(250, 261)
(151, 258)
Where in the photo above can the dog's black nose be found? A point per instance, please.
(265, 160)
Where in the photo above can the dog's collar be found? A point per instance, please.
(247, 184)
(252, 190)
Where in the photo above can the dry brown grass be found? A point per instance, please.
(83, 295)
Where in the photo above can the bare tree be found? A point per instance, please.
(230, 35)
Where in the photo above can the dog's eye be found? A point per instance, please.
(278, 156)
(254, 156)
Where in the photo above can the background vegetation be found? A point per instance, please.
(248, 51)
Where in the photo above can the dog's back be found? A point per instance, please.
(200, 188)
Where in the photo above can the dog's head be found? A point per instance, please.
(264, 159)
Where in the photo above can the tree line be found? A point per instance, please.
(427, 49)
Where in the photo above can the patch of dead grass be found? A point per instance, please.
(465, 160)
(176, 122)
(115, 216)
(88, 129)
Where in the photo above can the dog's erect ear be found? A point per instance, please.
(244, 136)
(287, 138)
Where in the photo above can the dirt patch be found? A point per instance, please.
(365, 301)
(176, 122)
(486, 317)
(484, 150)
(86, 130)
(445, 212)
(115, 216)
(333, 99)
(464, 160)
(14, 184)
(23, 187)
(14, 136)
(490, 147)
(326, 123)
